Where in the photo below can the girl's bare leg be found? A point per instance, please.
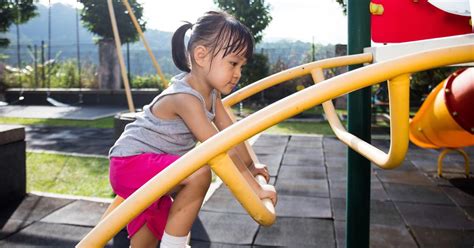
(186, 205)
(188, 202)
(143, 238)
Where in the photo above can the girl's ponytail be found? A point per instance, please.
(178, 50)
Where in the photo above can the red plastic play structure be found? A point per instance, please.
(396, 21)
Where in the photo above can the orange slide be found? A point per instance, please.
(446, 118)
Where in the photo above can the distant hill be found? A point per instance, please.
(63, 43)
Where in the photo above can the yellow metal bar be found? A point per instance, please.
(115, 203)
(292, 73)
(399, 90)
(448, 150)
(263, 119)
(145, 43)
(249, 148)
(118, 45)
(261, 211)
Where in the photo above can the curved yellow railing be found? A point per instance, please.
(399, 90)
(213, 150)
(292, 73)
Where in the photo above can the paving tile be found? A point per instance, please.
(10, 226)
(425, 165)
(223, 201)
(297, 232)
(405, 166)
(224, 228)
(303, 159)
(380, 236)
(332, 161)
(417, 194)
(381, 212)
(261, 150)
(337, 173)
(302, 172)
(433, 237)
(271, 140)
(83, 213)
(442, 181)
(34, 207)
(272, 161)
(404, 177)
(201, 244)
(434, 216)
(462, 191)
(300, 206)
(306, 141)
(303, 187)
(46, 234)
(469, 212)
(337, 189)
(313, 152)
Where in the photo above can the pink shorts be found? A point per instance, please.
(127, 174)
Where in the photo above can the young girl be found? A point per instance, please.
(187, 112)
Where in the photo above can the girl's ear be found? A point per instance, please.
(200, 55)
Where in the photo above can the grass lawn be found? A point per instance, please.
(297, 127)
(82, 176)
(107, 122)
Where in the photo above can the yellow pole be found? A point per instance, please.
(145, 43)
(292, 73)
(448, 150)
(263, 119)
(398, 91)
(118, 46)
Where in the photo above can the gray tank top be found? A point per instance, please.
(150, 134)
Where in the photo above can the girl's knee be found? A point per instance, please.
(202, 177)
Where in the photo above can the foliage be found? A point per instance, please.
(423, 82)
(147, 81)
(254, 14)
(255, 69)
(343, 5)
(15, 12)
(62, 75)
(95, 16)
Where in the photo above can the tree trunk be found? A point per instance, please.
(109, 69)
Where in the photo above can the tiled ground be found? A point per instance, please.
(410, 206)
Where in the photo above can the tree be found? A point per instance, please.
(254, 14)
(343, 5)
(15, 12)
(95, 16)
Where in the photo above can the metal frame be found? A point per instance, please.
(213, 150)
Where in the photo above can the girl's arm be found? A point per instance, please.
(190, 109)
(222, 121)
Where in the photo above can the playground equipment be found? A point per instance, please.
(401, 21)
(445, 120)
(213, 151)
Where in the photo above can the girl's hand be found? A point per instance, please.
(268, 191)
(260, 169)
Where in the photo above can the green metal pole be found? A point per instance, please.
(358, 177)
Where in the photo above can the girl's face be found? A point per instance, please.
(224, 73)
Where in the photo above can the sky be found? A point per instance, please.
(302, 20)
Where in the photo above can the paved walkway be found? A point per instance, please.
(410, 207)
(91, 141)
(66, 112)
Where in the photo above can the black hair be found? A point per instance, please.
(216, 31)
